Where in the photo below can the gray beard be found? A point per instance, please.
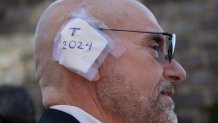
(120, 96)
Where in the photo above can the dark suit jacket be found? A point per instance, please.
(56, 116)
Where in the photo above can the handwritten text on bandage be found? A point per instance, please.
(76, 44)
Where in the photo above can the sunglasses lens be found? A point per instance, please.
(173, 41)
(171, 46)
(170, 55)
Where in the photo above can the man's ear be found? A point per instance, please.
(97, 77)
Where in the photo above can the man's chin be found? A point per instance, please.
(168, 111)
(172, 116)
(166, 102)
(167, 114)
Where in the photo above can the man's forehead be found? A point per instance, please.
(147, 18)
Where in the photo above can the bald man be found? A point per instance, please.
(134, 88)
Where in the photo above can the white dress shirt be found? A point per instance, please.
(79, 114)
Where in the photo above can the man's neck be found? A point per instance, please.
(87, 100)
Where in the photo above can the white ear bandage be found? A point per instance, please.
(81, 47)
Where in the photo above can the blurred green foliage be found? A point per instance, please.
(213, 118)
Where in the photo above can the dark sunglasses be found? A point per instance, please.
(171, 39)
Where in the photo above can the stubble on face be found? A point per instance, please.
(120, 95)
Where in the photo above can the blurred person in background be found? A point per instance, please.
(16, 105)
(135, 88)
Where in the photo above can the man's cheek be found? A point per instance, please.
(149, 83)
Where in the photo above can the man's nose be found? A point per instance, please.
(174, 72)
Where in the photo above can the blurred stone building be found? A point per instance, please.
(18, 20)
(194, 21)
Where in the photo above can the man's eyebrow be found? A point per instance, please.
(159, 38)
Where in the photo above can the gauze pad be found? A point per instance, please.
(80, 45)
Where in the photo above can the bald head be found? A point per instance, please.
(119, 14)
(135, 88)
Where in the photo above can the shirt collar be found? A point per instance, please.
(78, 113)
